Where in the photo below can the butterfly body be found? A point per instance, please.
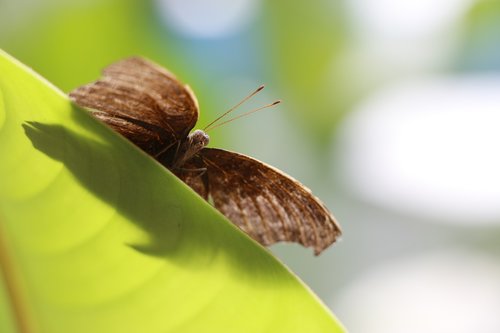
(146, 104)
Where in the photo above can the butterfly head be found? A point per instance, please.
(194, 142)
(198, 139)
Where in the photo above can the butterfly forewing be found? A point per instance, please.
(265, 203)
(142, 101)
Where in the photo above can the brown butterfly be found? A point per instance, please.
(149, 106)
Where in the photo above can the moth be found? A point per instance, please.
(149, 106)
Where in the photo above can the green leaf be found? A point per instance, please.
(95, 236)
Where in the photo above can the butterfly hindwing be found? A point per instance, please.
(264, 202)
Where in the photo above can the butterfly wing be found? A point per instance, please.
(262, 201)
(142, 101)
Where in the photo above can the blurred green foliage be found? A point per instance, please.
(70, 42)
(479, 50)
(305, 43)
(304, 49)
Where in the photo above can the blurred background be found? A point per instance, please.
(391, 115)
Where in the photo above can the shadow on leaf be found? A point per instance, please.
(176, 223)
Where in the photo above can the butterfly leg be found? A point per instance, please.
(167, 148)
(200, 170)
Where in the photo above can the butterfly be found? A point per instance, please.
(149, 106)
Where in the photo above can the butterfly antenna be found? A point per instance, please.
(244, 114)
(235, 107)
